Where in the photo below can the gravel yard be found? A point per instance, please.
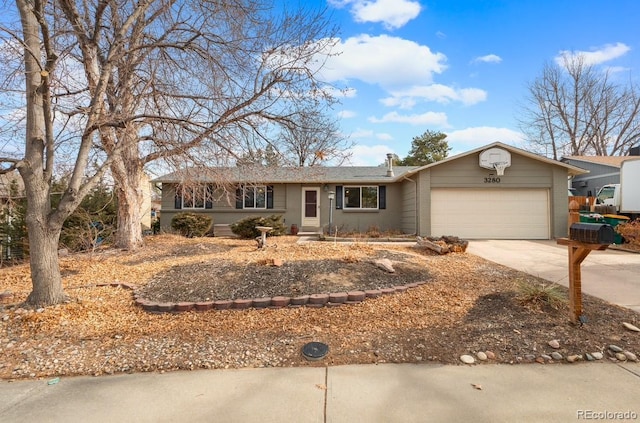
(467, 305)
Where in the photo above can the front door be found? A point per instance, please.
(311, 207)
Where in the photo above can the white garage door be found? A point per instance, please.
(490, 213)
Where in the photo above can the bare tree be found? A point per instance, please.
(44, 224)
(158, 80)
(575, 108)
(204, 73)
(313, 139)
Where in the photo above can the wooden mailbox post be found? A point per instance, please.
(578, 251)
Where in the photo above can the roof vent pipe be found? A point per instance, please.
(389, 164)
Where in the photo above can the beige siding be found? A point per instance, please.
(424, 203)
(524, 173)
(466, 173)
(408, 210)
(364, 220)
(559, 205)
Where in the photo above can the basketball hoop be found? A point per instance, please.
(500, 167)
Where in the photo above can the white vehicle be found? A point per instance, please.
(625, 196)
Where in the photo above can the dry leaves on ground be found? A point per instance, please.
(467, 305)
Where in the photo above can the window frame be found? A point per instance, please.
(254, 188)
(194, 197)
(360, 188)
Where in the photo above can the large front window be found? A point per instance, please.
(361, 197)
(193, 197)
(255, 197)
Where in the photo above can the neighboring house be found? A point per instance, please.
(603, 170)
(455, 196)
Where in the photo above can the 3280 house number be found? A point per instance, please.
(492, 180)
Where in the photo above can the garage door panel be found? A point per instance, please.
(490, 213)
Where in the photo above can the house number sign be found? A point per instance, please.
(492, 180)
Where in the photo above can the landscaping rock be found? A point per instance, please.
(556, 355)
(631, 327)
(385, 264)
(615, 348)
(554, 344)
(467, 359)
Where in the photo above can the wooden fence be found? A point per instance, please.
(586, 204)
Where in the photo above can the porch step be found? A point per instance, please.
(310, 230)
(223, 230)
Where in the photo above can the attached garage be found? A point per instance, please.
(490, 213)
(494, 192)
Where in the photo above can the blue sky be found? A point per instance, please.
(462, 67)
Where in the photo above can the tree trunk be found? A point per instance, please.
(130, 205)
(130, 191)
(36, 170)
(45, 272)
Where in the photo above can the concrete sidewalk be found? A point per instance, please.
(612, 275)
(365, 393)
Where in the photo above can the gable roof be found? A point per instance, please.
(340, 174)
(572, 170)
(613, 161)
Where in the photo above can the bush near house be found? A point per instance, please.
(191, 225)
(246, 228)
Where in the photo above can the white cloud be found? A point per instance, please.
(389, 62)
(595, 57)
(361, 133)
(369, 155)
(383, 136)
(406, 99)
(391, 13)
(347, 114)
(489, 58)
(429, 118)
(465, 139)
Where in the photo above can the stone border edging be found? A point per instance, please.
(334, 299)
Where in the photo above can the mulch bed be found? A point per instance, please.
(467, 305)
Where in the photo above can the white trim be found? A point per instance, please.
(310, 221)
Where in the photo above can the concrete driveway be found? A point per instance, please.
(612, 275)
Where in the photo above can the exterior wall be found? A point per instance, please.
(598, 176)
(424, 203)
(409, 213)
(287, 201)
(223, 210)
(559, 203)
(524, 173)
(389, 218)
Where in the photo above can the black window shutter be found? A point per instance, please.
(239, 198)
(269, 196)
(178, 198)
(338, 197)
(208, 201)
(382, 197)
